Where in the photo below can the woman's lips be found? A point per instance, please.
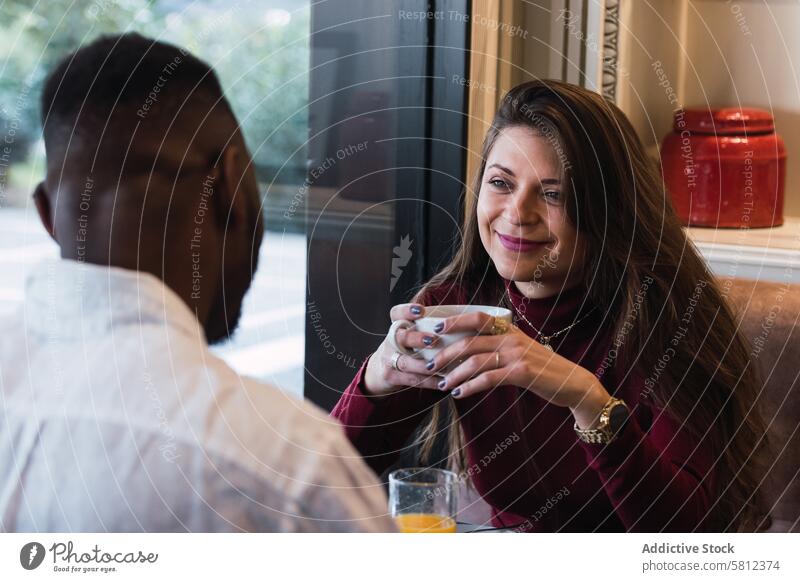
(520, 245)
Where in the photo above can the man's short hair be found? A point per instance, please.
(121, 80)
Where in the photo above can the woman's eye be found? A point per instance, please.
(553, 195)
(498, 183)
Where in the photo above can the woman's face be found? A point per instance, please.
(522, 217)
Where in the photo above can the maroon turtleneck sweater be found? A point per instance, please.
(523, 456)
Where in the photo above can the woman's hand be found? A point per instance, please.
(381, 377)
(488, 361)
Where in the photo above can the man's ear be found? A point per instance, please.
(42, 202)
(232, 187)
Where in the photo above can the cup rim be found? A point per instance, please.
(471, 308)
(451, 476)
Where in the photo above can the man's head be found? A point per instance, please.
(147, 170)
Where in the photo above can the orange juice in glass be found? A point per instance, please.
(423, 500)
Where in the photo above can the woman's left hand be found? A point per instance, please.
(488, 361)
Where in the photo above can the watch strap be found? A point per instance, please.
(602, 434)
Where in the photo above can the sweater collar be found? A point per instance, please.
(551, 314)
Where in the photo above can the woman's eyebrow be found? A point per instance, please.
(503, 168)
(545, 181)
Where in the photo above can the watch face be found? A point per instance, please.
(617, 417)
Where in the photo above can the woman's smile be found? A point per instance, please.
(520, 245)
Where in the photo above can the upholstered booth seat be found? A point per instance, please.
(769, 314)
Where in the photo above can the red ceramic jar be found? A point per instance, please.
(725, 168)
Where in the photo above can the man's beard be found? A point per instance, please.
(222, 323)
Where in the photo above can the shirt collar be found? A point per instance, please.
(72, 299)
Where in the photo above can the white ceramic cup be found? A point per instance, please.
(434, 315)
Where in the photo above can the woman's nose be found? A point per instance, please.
(522, 211)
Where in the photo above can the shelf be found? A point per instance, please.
(769, 254)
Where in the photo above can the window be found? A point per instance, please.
(260, 51)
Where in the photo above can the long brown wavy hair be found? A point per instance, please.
(618, 204)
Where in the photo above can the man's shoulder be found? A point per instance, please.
(258, 419)
(12, 330)
(283, 411)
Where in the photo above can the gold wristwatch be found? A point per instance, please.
(612, 418)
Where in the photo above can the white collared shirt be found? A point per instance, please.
(114, 416)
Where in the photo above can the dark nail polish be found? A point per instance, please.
(438, 327)
(416, 309)
(456, 393)
(442, 384)
(430, 365)
(427, 340)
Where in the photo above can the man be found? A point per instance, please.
(114, 414)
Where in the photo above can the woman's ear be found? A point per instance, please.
(42, 202)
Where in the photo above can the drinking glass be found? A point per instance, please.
(423, 500)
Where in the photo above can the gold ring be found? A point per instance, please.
(499, 326)
(497, 360)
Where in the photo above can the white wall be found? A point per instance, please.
(650, 33)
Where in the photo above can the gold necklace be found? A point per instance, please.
(541, 338)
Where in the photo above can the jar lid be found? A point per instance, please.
(725, 120)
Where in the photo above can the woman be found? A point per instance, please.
(623, 397)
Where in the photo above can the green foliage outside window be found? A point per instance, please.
(259, 49)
